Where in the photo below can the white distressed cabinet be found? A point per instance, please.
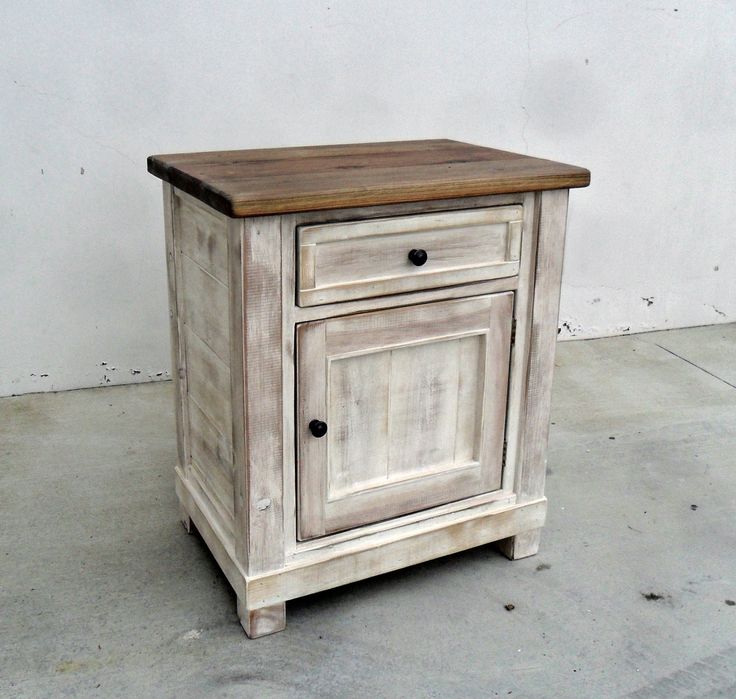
(364, 341)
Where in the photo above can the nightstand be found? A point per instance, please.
(364, 341)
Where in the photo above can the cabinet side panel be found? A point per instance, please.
(206, 308)
(209, 382)
(203, 338)
(177, 351)
(211, 458)
(550, 250)
(204, 238)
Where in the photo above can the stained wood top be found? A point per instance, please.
(285, 180)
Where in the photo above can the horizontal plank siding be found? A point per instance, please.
(203, 237)
(209, 382)
(200, 242)
(206, 307)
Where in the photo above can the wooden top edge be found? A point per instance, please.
(289, 152)
(287, 180)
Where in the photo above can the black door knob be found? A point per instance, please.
(418, 257)
(318, 428)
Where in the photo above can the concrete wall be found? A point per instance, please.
(640, 93)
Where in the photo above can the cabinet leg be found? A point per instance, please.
(522, 545)
(186, 520)
(263, 621)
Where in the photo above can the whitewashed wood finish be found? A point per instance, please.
(392, 550)
(521, 545)
(513, 239)
(288, 381)
(293, 314)
(415, 403)
(410, 298)
(219, 541)
(212, 457)
(493, 501)
(530, 477)
(250, 355)
(177, 349)
(448, 221)
(262, 545)
(202, 376)
(217, 512)
(357, 414)
(358, 259)
(311, 404)
(546, 309)
(297, 314)
(262, 621)
(206, 308)
(372, 212)
(349, 561)
(520, 350)
(203, 238)
(235, 231)
(209, 382)
(198, 204)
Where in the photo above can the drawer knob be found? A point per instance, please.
(318, 428)
(418, 257)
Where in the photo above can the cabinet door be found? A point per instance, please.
(414, 403)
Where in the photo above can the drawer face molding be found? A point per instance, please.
(362, 259)
(415, 402)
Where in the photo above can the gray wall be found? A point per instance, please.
(643, 95)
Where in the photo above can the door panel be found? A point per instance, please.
(423, 437)
(357, 422)
(415, 403)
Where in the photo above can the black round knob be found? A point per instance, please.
(318, 428)
(418, 257)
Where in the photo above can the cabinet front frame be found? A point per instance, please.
(292, 314)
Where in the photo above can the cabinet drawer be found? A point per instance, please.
(360, 259)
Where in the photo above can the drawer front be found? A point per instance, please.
(360, 259)
(400, 410)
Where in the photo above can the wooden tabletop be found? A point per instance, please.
(283, 180)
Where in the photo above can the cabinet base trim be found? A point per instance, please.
(305, 579)
(218, 541)
(361, 561)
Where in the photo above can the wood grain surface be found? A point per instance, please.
(285, 180)
(415, 399)
(359, 259)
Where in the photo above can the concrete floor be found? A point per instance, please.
(103, 594)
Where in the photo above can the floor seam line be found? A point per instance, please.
(710, 373)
